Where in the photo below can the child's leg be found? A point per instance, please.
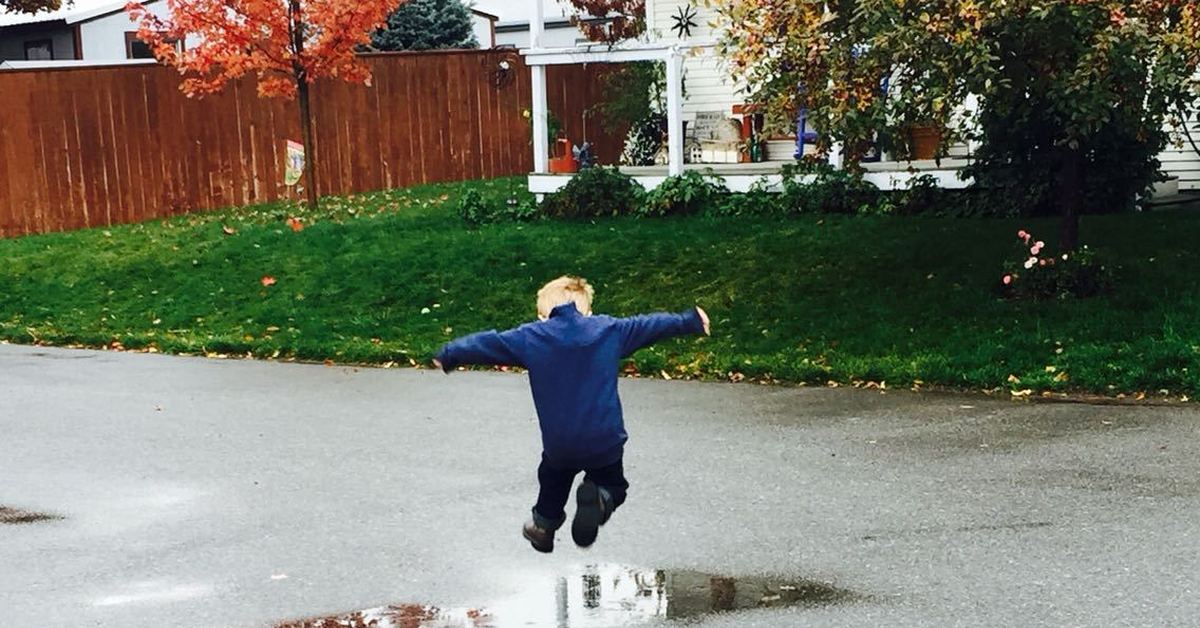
(602, 490)
(554, 490)
(611, 480)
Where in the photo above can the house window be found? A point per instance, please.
(136, 48)
(40, 50)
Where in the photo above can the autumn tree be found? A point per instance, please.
(427, 25)
(29, 6)
(1073, 95)
(286, 44)
(609, 21)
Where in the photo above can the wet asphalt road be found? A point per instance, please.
(229, 493)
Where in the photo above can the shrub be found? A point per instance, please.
(818, 188)
(684, 195)
(593, 193)
(759, 200)
(1042, 276)
(476, 211)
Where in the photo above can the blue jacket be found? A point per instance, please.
(573, 362)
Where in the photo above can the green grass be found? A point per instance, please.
(390, 276)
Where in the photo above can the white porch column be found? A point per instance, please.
(835, 156)
(537, 24)
(674, 113)
(541, 147)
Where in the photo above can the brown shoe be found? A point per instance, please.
(541, 539)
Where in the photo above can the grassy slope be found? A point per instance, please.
(807, 299)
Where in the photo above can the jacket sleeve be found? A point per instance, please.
(642, 331)
(487, 347)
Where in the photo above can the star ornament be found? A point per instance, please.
(685, 21)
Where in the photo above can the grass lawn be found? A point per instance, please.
(388, 277)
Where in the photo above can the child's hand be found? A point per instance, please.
(438, 364)
(704, 319)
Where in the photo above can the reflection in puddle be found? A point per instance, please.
(17, 516)
(607, 595)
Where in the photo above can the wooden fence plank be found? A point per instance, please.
(86, 147)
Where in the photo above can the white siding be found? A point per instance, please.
(706, 81)
(1182, 160)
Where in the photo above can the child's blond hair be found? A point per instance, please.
(565, 289)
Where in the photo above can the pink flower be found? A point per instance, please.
(1040, 244)
(1029, 263)
(1007, 279)
(1035, 250)
(1022, 234)
(1041, 262)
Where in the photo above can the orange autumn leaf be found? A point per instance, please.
(268, 281)
(283, 44)
(295, 223)
(228, 230)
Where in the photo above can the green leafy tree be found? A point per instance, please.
(427, 25)
(1070, 92)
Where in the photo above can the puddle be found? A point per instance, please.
(16, 516)
(600, 596)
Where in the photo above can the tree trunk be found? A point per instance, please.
(1070, 197)
(310, 149)
(296, 30)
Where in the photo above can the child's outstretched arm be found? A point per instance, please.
(642, 331)
(485, 347)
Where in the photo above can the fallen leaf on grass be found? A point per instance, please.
(295, 223)
(228, 230)
(267, 281)
(1021, 393)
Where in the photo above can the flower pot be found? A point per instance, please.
(925, 140)
(565, 163)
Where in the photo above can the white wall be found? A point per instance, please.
(104, 37)
(1182, 160)
(483, 30)
(12, 46)
(555, 36)
(709, 86)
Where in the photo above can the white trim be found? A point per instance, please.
(537, 24)
(674, 114)
(71, 63)
(99, 12)
(541, 127)
(602, 53)
(541, 183)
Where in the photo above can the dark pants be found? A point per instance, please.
(555, 487)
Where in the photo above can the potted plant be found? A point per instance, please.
(925, 138)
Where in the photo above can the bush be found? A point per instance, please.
(1042, 276)
(684, 195)
(830, 191)
(476, 211)
(759, 200)
(594, 193)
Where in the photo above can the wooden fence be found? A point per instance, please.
(106, 145)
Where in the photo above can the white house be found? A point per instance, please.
(681, 33)
(512, 27)
(100, 30)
